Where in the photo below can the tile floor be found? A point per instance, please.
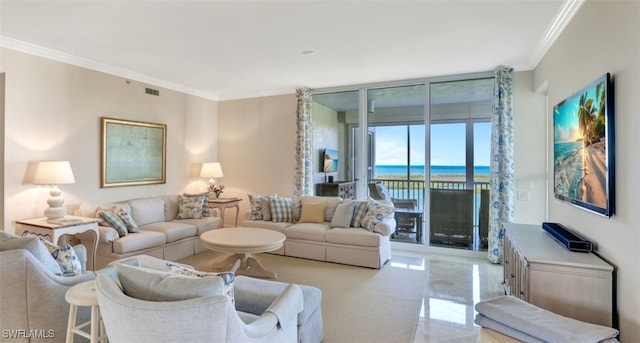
(455, 285)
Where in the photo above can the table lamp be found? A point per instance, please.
(211, 170)
(54, 173)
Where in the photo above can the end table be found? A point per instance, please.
(54, 229)
(221, 204)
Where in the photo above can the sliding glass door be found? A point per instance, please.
(460, 113)
(427, 142)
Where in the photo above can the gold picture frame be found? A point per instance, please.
(133, 153)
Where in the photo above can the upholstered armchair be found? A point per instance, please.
(32, 297)
(209, 318)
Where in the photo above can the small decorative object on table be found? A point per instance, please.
(213, 170)
(215, 190)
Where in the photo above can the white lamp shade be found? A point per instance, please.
(211, 169)
(54, 173)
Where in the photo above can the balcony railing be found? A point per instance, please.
(415, 189)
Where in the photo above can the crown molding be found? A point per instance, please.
(562, 18)
(55, 55)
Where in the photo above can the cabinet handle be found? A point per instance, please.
(512, 275)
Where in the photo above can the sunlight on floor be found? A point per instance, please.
(454, 286)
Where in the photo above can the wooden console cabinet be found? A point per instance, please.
(343, 189)
(541, 271)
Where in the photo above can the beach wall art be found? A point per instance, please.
(330, 161)
(583, 148)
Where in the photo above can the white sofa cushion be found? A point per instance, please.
(147, 210)
(307, 231)
(277, 226)
(353, 236)
(171, 207)
(202, 224)
(174, 230)
(139, 241)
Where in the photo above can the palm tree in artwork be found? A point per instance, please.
(586, 116)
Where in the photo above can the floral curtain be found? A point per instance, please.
(501, 179)
(304, 137)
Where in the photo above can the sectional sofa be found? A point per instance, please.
(318, 241)
(160, 234)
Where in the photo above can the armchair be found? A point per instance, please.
(32, 297)
(210, 318)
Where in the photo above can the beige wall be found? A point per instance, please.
(256, 144)
(604, 36)
(529, 151)
(53, 112)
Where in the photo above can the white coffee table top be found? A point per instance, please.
(241, 240)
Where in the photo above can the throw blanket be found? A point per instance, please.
(529, 323)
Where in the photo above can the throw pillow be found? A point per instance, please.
(228, 277)
(266, 209)
(125, 215)
(343, 215)
(65, 256)
(281, 209)
(114, 221)
(153, 285)
(313, 212)
(358, 213)
(256, 202)
(206, 212)
(32, 245)
(376, 212)
(190, 207)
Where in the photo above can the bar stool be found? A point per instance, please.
(84, 294)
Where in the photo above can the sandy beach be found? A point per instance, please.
(592, 188)
(582, 174)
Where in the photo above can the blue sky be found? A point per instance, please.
(448, 144)
(565, 115)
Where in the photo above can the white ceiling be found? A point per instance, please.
(237, 49)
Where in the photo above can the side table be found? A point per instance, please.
(69, 225)
(84, 294)
(410, 213)
(222, 204)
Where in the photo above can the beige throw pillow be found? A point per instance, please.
(313, 212)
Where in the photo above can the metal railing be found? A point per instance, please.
(415, 189)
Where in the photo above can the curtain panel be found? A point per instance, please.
(501, 179)
(304, 137)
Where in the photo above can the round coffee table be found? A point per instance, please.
(242, 242)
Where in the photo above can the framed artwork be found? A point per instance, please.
(133, 153)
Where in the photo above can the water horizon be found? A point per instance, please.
(435, 170)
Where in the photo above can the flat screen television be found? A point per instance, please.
(583, 148)
(330, 161)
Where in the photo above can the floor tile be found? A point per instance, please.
(454, 286)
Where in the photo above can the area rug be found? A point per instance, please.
(358, 304)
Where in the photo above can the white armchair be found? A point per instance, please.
(210, 318)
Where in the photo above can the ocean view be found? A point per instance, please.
(381, 170)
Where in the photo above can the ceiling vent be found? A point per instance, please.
(152, 91)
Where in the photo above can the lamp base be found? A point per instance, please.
(55, 212)
(56, 209)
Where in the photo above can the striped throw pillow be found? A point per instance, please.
(358, 213)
